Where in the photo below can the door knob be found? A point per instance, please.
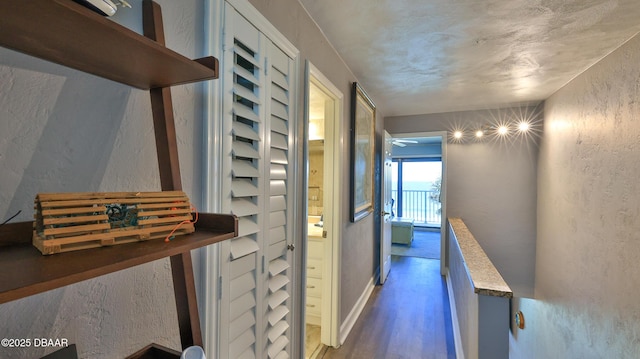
(385, 213)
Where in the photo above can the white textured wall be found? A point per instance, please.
(588, 245)
(62, 130)
(491, 185)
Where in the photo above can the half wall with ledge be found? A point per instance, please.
(479, 297)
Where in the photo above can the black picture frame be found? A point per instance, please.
(363, 120)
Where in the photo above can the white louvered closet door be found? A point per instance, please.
(278, 258)
(256, 267)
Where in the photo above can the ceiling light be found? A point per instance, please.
(524, 126)
(503, 130)
(479, 133)
(457, 135)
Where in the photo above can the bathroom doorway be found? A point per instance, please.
(324, 108)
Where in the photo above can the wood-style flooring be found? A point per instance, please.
(406, 318)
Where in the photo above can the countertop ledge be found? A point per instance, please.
(483, 274)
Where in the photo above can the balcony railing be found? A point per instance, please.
(422, 206)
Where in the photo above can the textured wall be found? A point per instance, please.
(491, 185)
(588, 245)
(62, 130)
(360, 254)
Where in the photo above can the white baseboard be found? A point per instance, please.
(454, 320)
(350, 321)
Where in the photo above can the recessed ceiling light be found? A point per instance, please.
(503, 130)
(524, 126)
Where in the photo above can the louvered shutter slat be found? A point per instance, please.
(278, 172)
(277, 234)
(244, 169)
(239, 51)
(247, 226)
(280, 110)
(279, 156)
(278, 188)
(244, 149)
(278, 298)
(278, 266)
(243, 188)
(245, 131)
(242, 207)
(241, 343)
(277, 314)
(245, 93)
(279, 141)
(240, 247)
(277, 219)
(277, 282)
(279, 125)
(277, 250)
(278, 203)
(277, 330)
(242, 284)
(249, 76)
(241, 324)
(242, 304)
(278, 78)
(279, 94)
(277, 346)
(245, 112)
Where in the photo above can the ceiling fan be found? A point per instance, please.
(401, 143)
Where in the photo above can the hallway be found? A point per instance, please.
(406, 318)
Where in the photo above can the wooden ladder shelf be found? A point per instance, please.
(76, 37)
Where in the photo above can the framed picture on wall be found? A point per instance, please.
(363, 119)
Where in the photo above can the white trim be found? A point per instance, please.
(444, 244)
(333, 141)
(211, 165)
(457, 339)
(357, 309)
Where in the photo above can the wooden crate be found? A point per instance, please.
(72, 221)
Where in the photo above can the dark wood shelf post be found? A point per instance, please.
(167, 150)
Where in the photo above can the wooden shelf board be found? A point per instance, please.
(25, 271)
(69, 34)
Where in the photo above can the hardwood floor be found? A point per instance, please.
(406, 318)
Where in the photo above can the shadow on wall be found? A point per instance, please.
(61, 129)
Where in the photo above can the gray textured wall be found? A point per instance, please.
(491, 185)
(588, 246)
(62, 130)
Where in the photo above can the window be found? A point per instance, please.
(416, 189)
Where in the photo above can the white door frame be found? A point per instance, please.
(330, 325)
(443, 192)
(385, 223)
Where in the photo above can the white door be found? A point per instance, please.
(257, 125)
(385, 240)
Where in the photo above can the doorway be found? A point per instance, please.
(321, 259)
(419, 194)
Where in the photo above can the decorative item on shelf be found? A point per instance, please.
(103, 7)
(73, 221)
